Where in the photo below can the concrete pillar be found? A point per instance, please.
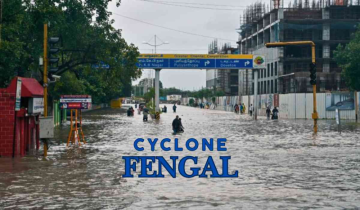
(157, 89)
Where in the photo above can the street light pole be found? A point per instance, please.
(157, 75)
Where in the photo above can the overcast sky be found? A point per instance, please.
(214, 23)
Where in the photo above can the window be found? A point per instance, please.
(268, 86)
(272, 72)
(272, 86)
(252, 89)
(258, 89)
(264, 73)
(275, 85)
(275, 68)
(268, 70)
(261, 72)
(272, 66)
(253, 75)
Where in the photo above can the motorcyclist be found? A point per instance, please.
(275, 113)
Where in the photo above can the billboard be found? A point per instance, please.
(341, 101)
(75, 102)
(173, 97)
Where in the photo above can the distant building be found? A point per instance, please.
(225, 80)
(326, 23)
(144, 86)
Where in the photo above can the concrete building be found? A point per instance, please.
(144, 86)
(326, 23)
(225, 80)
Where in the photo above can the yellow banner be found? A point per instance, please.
(196, 56)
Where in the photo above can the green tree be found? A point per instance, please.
(84, 42)
(191, 102)
(348, 58)
(151, 94)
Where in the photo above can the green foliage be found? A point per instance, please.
(84, 42)
(213, 99)
(151, 106)
(348, 58)
(172, 91)
(151, 94)
(191, 102)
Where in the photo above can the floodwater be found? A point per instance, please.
(281, 166)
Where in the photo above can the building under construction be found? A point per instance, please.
(326, 23)
(225, 80)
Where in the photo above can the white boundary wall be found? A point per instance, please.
(291, 106)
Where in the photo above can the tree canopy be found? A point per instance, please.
(87, 38)
(348, 58)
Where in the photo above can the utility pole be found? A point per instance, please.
(255, 93)
(1, 6)
(157, 75)
(45, 70)
(312, 44)
(45, 80)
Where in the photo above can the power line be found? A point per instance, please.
(180, 2)
(179, 5)
(171, 29)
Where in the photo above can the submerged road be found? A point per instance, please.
(281, 166)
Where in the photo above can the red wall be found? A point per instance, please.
(7, 106)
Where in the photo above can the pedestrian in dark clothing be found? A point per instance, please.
(251, 109)
(176, 124)
(145, 114)
(275, 113)
(181, 128)
(174, 108)
(268, 112)
(130, 112)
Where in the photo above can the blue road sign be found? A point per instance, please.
(188, 61)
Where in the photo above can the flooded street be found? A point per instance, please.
(281, 165)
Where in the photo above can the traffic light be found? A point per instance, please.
(53, 50)
(53, 60)
(312, 74)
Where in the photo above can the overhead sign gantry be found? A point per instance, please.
(196, 61)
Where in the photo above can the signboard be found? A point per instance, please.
(75, 102)
(340, 100)
(173, 97)
(75, 105)
(36, 105)
(18, 94)
(195, 61)
(259, 62)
